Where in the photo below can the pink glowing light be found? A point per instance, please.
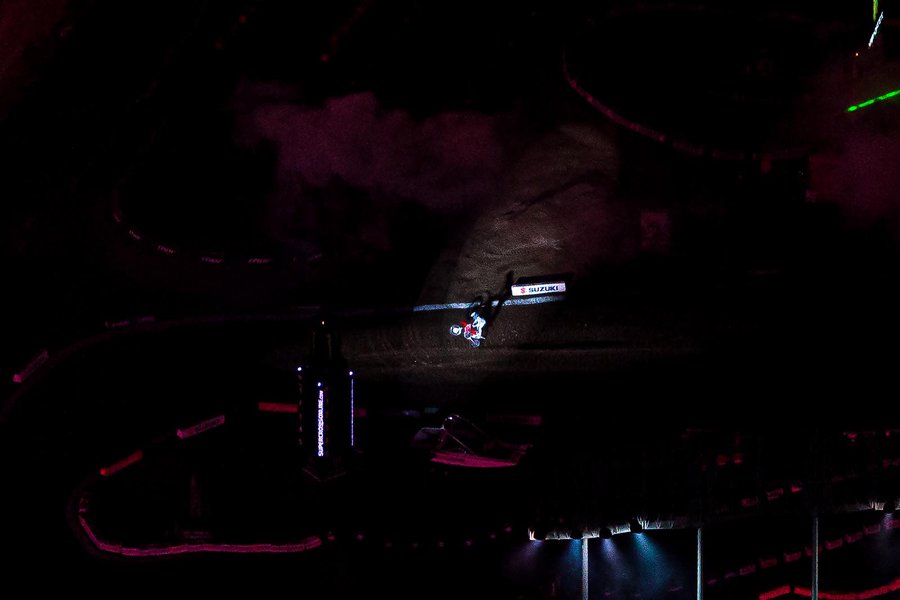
(809, 551)
(201, 427)
(31, 367)
(879, 591)
(278, 407)
(471, 460)
(776, 593)
(301, 546)
(125, 462)
(774, 494)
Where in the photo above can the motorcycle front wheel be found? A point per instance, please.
(455, 329)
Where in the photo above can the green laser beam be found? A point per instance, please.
(871, 101)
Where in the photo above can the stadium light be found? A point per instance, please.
(635, 526)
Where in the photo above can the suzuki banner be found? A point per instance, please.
(555, 287)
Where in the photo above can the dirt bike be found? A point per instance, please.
(468, 331)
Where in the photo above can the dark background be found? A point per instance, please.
(221, 161)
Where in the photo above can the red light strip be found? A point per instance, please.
(200, 427)
(789, 557)
(278, 407)
(125, 462)
(807, 593)
(777, 592)
(31, 367)
(852, 538)
(301, 546)
(775, 494)
(678, 144)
